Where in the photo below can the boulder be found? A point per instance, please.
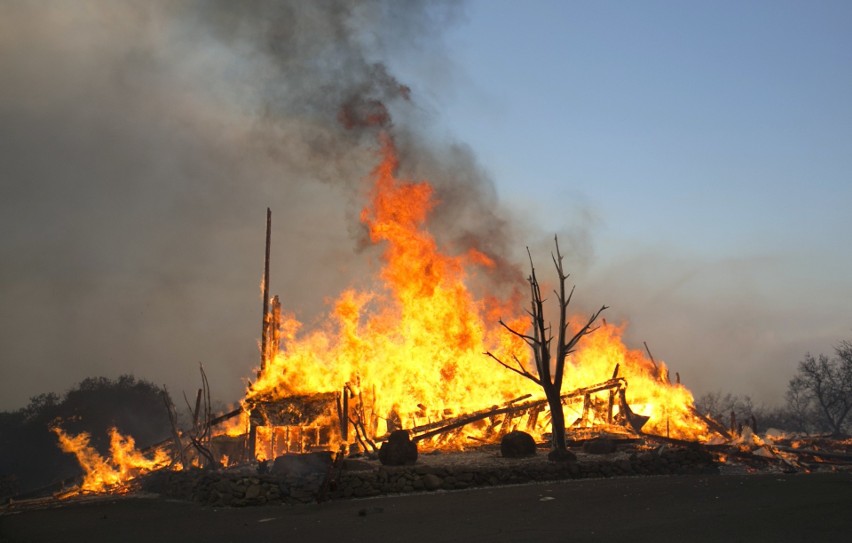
(299, 465)
(398, 450)
(432, 481)
(517, 445)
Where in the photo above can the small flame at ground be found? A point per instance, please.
(112, 474)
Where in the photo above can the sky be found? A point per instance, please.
(693, 158)
(706, 148)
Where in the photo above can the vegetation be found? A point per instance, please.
(820, 394)
(29, 455)
(818, 399)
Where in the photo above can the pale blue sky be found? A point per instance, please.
(722, 126)
(706, 148)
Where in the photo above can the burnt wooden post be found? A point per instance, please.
(587, 404)
(344, 422)
(611, 402)
(197, 408)
(274, 328)
(252, 438)
(532, 417)
(264, 320)
(343, 413)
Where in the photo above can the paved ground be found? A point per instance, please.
(730, 508)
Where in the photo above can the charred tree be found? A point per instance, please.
(550, 366)
(821, 391)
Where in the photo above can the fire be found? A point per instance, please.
(411, 352)
(651, 394)
(234, 427)
(113, 474)
(419, 341)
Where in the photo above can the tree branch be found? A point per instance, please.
(528, 339)
(523, 372)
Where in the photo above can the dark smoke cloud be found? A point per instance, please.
(140, 144)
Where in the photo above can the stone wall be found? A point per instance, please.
(360, 478)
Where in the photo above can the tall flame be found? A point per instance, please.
(419, 341)
(417, 344)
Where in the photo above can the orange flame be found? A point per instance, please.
(650, 393)
(112, 474)
(421, 340)
(416, 345)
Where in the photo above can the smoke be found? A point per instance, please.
(140, 144)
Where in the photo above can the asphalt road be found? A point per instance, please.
(749, 508)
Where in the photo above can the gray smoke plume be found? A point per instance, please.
(140, 144)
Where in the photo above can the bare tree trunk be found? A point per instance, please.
(550, 379)
(557, 420)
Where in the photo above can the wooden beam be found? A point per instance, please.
(712, 424)
(447, 425)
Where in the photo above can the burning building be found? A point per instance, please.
(410, 354)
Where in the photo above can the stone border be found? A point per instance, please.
(448, 471)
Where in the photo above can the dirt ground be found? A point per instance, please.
(730, 508)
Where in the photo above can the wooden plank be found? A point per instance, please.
(451, 424)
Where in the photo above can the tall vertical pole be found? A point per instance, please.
(264, 321)
(264, 326)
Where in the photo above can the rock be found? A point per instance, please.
(299, 465)
(599, 446)
(398, 450)
(253, 492)
(302, 495)
(432, 481)
(517, 445)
